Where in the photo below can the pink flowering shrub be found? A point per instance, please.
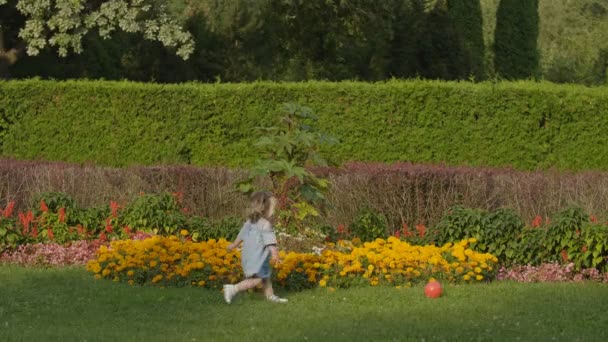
(550, 272)
(53, 254)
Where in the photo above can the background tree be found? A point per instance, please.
(468, 21)
(515, 39)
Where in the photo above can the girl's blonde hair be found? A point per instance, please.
(261, 204)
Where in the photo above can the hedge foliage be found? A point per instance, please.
(521, 124)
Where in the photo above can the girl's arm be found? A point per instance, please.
(234, 245)
(274, 254)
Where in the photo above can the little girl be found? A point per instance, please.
(259, 248)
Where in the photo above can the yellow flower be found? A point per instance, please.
(477, 270)
(466, 277)
(130, 273)
(322, 283)
(183, 232)
(479, 277)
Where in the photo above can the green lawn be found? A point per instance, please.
(67, 304)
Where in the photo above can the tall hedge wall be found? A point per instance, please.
(521, 124)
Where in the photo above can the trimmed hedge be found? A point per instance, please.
(521, 124)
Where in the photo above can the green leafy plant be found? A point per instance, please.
(499, 233)
(458, 224)
(54, 201)
(563, 233)
(369, 225)
(202, 228)
(287, 149)
(591, 250)
(10, 237)
(157, 213)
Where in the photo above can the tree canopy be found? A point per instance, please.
(33, 25)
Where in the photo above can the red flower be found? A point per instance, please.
(109, 226)
(564, 255)
(537, 221)
(127, 230)
(9, 209)
(406, 230)
(61, 215)
(43, 206)
(34, 233)
(103, 236)
(584, 248)
(81, 230)
(421, 230)
(397, 234)
(114, 209)
(179, 196)
(50, 234)
(341, 229)
(593, 218)
(26, 219)
(185, 210)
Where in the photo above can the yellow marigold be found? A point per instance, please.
(322, 283)
(466, 277)
(472, 240)
(479, 277)
(201, 283)
(130, 273)
(477, 270)
(183, 232)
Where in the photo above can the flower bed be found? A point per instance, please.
(171, 261)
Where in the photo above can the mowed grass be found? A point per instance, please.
(67, 304)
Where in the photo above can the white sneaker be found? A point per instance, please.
(277, 299)
(229, 293)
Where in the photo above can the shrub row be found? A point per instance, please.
(524, 125)
(404, 193)
(570, 236)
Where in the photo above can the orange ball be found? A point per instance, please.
(432, 289)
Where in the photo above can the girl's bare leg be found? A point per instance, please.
(268, 291)
(247, 284)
